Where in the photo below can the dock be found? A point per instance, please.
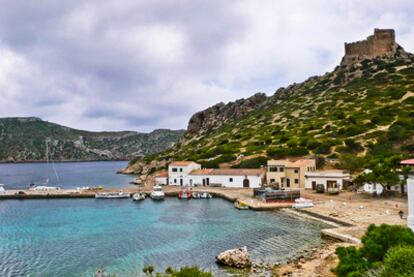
(243, 195)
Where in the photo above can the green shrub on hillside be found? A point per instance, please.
(252, 163)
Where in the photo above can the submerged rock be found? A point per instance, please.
(238, 257)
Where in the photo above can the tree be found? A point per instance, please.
(350, 162)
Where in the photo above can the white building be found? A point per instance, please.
(178, 172)
(378, 188)
(161, 178)
(410, 194)
(231, 178)
(327, 178)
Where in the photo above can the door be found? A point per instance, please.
(204, 182)
(331, 184)
(313, 185)
(246, 183)
(208, 181)
(181, 182)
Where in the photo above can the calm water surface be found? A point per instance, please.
(69, 175)
(74, 237)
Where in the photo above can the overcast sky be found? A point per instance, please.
(142, 65)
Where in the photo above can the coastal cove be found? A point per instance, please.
(74, 237)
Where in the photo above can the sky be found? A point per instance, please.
(142, 65)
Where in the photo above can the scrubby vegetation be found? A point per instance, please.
(364, 111)
(182, 272)
(387, 250)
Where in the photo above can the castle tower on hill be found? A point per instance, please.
(381, 43)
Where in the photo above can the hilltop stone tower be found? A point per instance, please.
(381, 43)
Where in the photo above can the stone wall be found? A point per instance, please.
(381, 43)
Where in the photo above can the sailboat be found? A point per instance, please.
(45, 186)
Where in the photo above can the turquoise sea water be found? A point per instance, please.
(74, 237)
(69, 175)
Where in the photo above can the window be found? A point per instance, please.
(272, 168)
(175, 181)
(174, 169)
(288, 183)
(296, 170)
(272, 180)
(231, 180)
(296, 181)
(181, 170)
(281, 169)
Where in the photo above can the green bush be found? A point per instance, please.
(352, 263)
(399, 261)
(190, 272)
(252, 163)
(378, 239)
(394, 242)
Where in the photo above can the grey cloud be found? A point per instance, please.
(142, 65)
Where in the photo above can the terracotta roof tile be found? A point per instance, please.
(163, 173)
(229, 172)
(181, 163)
(408, 162)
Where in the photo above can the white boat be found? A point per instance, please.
(44, 188)
(138, 196)
(157, 193)
(112, 195)
(2, 190)
(205, 195)
(301, 203)
(196, 195)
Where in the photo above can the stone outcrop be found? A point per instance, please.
(222, 113)
(382, 43)
(238, 258)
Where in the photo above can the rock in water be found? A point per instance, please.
(238, 257)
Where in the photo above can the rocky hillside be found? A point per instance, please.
(24, 139)
(364, 109)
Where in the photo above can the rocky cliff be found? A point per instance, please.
(24, 139)
(222, 113)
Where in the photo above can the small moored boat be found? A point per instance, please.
(111, 195)
(184, 194)
(138, 196)
(157, 193)
(2, 190)
(301, 203)
(205, 195)
(240, 205)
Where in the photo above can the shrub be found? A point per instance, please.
(394, 242)
(252, 163)
(353, 146)
(352, 263)
(191, 272)
(399, 261)
(378, 239)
